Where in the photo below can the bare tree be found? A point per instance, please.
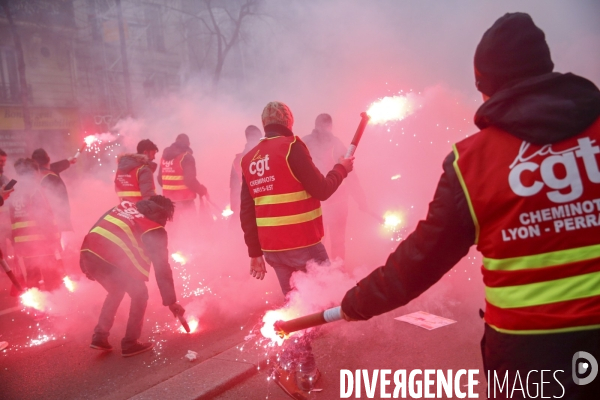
(226, 26)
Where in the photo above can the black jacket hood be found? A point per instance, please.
(543, 110)
(174, 150)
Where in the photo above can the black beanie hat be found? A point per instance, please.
(511, 50)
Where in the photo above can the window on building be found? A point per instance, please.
(9, 77)
(154, 29)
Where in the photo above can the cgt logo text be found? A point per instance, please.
(437, 384)
(259, 164)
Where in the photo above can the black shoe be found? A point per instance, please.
(101, 345)
(136, 349)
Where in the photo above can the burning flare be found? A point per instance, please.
(268, 329)
(387, 109)
(178, 258)
(69, 284)
(193, 322)
(89, 140)
(33, 298)
(227, 212)
(392, 220)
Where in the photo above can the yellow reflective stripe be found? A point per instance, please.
(29, 238)
(543, 260)
(282, 198)
(535, 294)
(289, 219)
(172, 178)
(129, 194)
(23, 224)
(174, 187)
(546, 331)
(125, 228)
(464, 187)
(116, 240)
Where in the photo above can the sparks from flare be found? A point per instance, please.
(269, 319)
(390, 108)
(392, 220)
(227, 212)
(69, 284)
(193, 322)
(33, 298)
(179, 258)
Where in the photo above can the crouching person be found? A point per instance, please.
(118, 253)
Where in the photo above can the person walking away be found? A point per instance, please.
(281, 219)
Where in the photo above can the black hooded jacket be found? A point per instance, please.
(189, 167)
(542, 110)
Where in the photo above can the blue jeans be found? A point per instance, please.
(285, 263)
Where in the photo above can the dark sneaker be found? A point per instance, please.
(286, 379)
(101, 345)
(136, 349)
(307, 381)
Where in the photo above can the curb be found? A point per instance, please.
(211, 377)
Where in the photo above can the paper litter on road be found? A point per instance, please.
(425, 320)
(191, 355)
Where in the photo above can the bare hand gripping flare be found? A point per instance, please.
(284, 328)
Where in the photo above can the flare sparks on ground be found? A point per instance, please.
(390, 108)
(227, 212)
(69, 284)
(33, 298)
(178, 258)
(392, 220)
(193, 322)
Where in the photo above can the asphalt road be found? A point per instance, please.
(385, 343)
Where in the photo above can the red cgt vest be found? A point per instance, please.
(174, 186)
(536, 211)
(34, 231)
(127, 185)
(117, 239)
(286, 215)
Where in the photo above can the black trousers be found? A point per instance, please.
(505, 354)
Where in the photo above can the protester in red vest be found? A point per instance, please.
(54, 187)
(134, 179)
(253, 135)
(281, 219)
(34, 232)
(526, 190)
(177, 176)
(118, 253)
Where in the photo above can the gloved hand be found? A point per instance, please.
(177, 309)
